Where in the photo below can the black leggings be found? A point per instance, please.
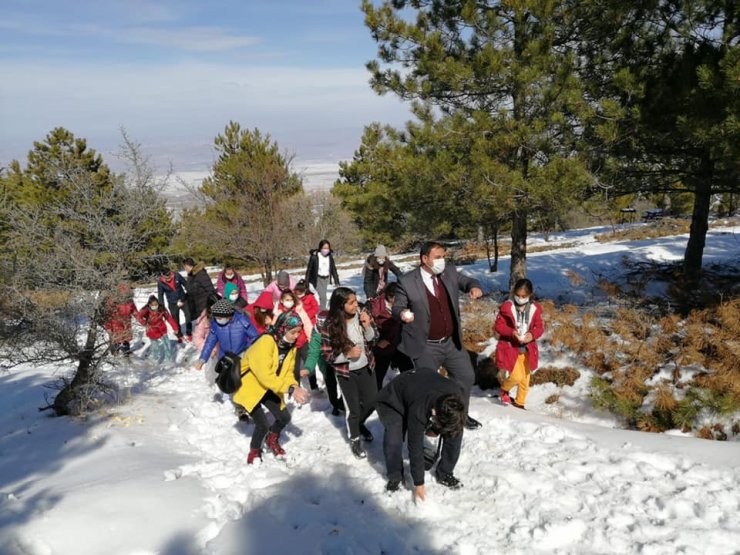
(359, 391)
(282, 418)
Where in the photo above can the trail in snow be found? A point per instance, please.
(529, 485)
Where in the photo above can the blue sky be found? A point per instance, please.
(173, 73)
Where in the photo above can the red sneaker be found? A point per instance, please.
(254, 454)
(505, 399)
(272, 443)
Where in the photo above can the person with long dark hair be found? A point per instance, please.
(321, 270)
(346, 337)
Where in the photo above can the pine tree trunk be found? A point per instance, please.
(699, 227)
(67, 400)
(518, 247)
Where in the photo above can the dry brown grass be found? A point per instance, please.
(50, 300)
(574, 278)
(662, 228)
(559, 376)
(477, 324)
(664, 399)
(552, 399)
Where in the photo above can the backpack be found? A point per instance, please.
(228, 370)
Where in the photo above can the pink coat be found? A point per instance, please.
(507, 348)
(275, 290)
(200, 332)
(236, 280)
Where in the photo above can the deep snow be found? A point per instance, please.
(165, 471)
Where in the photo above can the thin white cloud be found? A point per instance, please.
(192, 39)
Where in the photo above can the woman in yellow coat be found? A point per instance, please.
(267, 375)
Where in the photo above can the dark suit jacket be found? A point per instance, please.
(412, 294)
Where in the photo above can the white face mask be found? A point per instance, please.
(222, 321)
(153, 307)
(381, 261)
(233, 296)
(229, 276)
(438, 266)
(388, 305)
(521, 300)
(288, 304)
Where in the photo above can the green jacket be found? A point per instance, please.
(314, 357)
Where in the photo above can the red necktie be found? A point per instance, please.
(437, 287)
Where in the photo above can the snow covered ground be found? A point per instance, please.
(165, 471)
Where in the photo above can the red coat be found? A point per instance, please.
(264, 301)
(388, 327)
(507, 348)
(311, 306)
(155, 321)
(118, 320)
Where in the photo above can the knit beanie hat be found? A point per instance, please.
(222, 308)
(381, 252)
(283, 279)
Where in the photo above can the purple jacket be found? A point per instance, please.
(234, 337)
(236, 280)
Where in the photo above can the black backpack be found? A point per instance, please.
(228, 368)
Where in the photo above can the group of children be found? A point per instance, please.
(284, 336)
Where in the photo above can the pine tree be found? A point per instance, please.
(509, 70)
(250, 210)
(671, 74)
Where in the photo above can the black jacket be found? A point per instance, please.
(199, 286)
(413, 395)
(371, 275)
(173, 295)
(312, 271)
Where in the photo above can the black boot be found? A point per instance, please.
(357, 449)
(366, 434)
(447, 480)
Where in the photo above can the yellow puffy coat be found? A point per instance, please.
(261, 359)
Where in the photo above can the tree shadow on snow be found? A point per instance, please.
(33, 446)
(323, 514)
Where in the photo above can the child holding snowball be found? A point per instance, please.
(518, 325)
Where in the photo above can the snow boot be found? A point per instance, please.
(272, 443)
(254, 454)
(393, 486)
(517, 405)
(366, 434)
(447, 480)
(504, 396)
(357, 449)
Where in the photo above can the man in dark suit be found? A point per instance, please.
(418, 403)
(427, 303)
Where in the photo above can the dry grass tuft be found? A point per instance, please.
(558, 376)
(664, 399)
(575, 278)
(552, 399)
(477, 324)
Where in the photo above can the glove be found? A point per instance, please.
(533, 372)
(180, 304)
(507, 375)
